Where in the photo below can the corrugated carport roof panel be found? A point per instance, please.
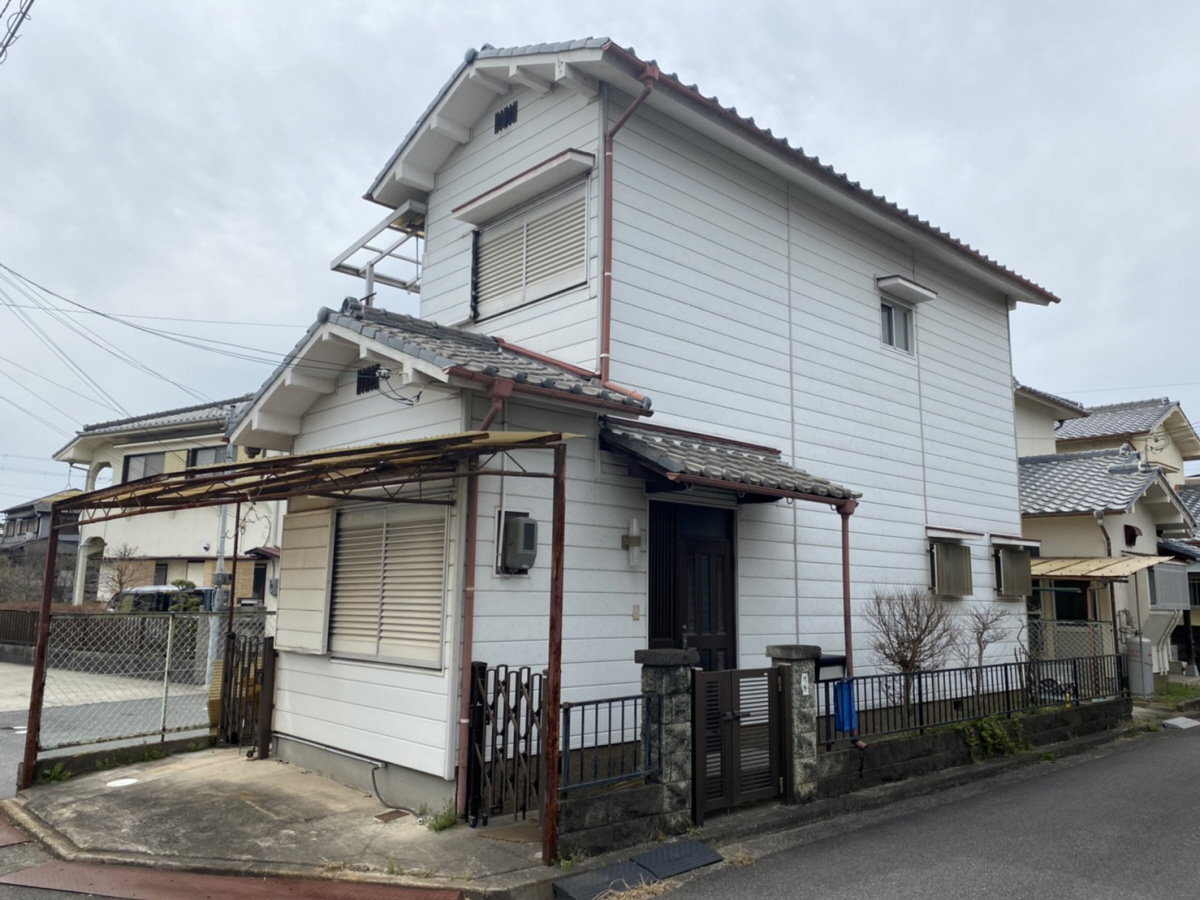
(1098, 568)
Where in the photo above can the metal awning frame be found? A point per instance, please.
(387, 468)
(337, 473)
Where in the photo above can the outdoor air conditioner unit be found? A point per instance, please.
(949, 569)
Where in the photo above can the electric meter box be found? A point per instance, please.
(520, 543)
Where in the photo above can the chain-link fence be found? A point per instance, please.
(122, 676)
(1062, 639)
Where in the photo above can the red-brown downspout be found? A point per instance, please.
(501, 389)
(846, 510)
(468, 633)
(648, 77)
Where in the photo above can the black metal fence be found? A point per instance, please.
(896, 702)
(611, 740)
(504, 772)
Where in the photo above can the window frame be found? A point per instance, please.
(364, 519)
(194, 455)
(129, 457)
(887, 325)
(527, 214)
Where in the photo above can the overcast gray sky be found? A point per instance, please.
(206, 160)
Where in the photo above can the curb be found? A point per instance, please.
(537, 883)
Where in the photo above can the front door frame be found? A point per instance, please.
(667, 602)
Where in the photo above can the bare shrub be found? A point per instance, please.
(121, 568)
(978, 629)
(914, 632)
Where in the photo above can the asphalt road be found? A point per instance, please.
(1118, 824)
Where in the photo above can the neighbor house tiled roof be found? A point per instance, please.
(670, 451)
(1117, 420)
(204, 413)
(812, 164)
(1048, 397)
(1090, 481)
(1190, 495)
(1186, 548)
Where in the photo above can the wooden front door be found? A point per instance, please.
(692, 582)
(705, 600)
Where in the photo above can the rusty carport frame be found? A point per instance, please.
(375, 467)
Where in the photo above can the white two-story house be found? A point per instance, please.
(170, 546)
(743, 341)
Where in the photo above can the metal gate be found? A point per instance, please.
(739, 732)
(247, 690)
(504, 773)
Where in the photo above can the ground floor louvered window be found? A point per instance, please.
(388, 591)
(537, 252)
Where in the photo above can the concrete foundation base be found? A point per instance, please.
(395, 785)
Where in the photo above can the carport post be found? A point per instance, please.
(554, 670)
(28, 773)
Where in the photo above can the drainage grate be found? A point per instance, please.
(589, 885)
(677, 858)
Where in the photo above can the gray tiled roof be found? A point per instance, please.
(1117, 420)
(1186, 548)
(1190, 495)
(813, 164)
(684, 452)
(1048, 397)
(1105, 480)
(449, 347)
(187, 415)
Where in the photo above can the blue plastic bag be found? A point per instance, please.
(845, 713)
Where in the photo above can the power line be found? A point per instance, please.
(35, 416)
(91, 312)
(13, 24)
(103, 344)
(63, 387)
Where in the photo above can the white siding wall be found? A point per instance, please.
(600, 588)
(397, 714)
(564, 326)
(748, 309)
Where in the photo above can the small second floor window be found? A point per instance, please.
(142, 465)
(896, 325)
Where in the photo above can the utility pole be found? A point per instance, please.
(223, 596)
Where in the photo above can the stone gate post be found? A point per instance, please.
(669, 674)
(802, 703)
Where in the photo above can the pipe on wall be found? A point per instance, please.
(468, 633)
(649, 77)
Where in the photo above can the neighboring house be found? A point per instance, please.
(1157, 429)
(27, 525)
(1100, 512)
(159, 549)
(803, 339)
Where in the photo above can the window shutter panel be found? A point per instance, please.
(501, 264)
(556, 249)
(414, 588)
(354, 622)
(951, 569)
(1015, 573)
(304, 581)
